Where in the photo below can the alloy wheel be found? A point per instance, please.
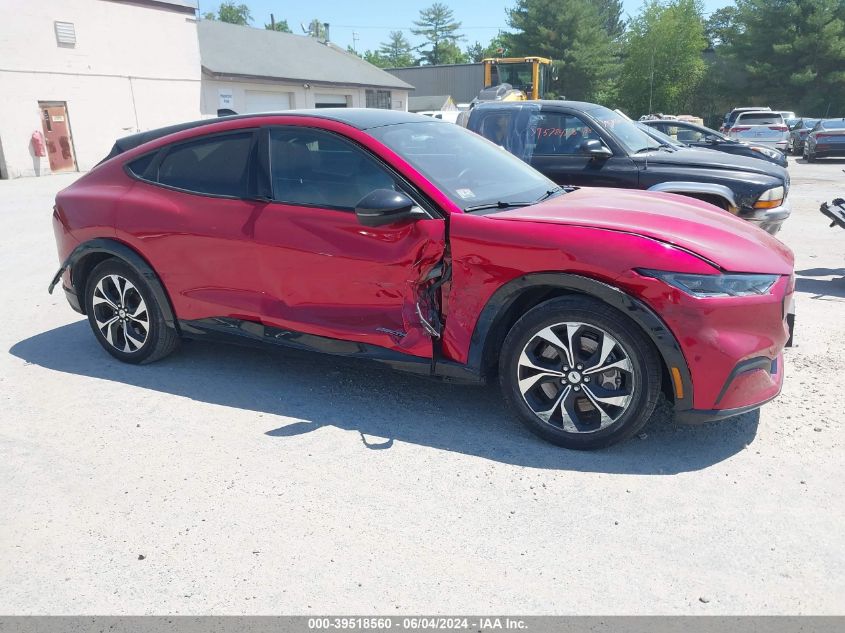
(576, 377)
(120, 314)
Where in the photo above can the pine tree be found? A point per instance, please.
(438, 27)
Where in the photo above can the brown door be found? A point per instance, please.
(57, 136)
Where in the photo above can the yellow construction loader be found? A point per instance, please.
(515, 78)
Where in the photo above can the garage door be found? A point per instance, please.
(329, 101)
(258, 101)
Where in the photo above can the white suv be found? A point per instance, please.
(762, 127)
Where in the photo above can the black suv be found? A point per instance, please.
(584, 144)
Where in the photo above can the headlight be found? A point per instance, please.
(716, 285)
(770, 199)
(771, 153)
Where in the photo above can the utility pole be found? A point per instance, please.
(355, 41)
(272, 22)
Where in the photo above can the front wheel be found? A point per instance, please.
(124, 315)
(579, 374)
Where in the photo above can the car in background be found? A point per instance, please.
(702, 137)
(584, 144)
(798, 132)
(760, 127)
(825, 140)
(389, 236)
(730, 117)
(788, 115)
(451, 116)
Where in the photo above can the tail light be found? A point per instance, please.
(779, 128)
(740, 129)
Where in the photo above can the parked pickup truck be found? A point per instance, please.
(584, 144)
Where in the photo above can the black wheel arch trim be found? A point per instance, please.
(656, 330)
(132, 258)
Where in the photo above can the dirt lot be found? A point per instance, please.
(224, 480)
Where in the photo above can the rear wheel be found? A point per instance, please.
(579, 374)
(808, 156)
(125, 316)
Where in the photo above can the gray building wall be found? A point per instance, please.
(461, 81)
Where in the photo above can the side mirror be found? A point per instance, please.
(595, 148)
(386, 206)
(713, 140)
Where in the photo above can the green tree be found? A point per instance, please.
(317, 29)
(721, 27)
(396, 51)
(664, 63)
(474, 52)
(232, 13)
(610, 12)
(572, 33)
(279, 25)
(437, 26)
(792, 53)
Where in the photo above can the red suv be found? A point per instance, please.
(393, 237)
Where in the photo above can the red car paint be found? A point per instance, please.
(318, 271)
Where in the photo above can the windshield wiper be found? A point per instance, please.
(500, 204)
(548, 194)
(497, 205)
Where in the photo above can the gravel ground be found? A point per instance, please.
(228, 481)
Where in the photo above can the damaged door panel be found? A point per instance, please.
(324, 273)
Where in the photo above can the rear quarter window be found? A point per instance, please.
(140, 166)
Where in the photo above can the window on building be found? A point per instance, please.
(214, 165)
(379, 99)
(315, 168)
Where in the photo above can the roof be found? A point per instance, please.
(361, 118)
(416, 104)
(540, 103)
(242, 51)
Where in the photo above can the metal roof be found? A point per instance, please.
(230, 50)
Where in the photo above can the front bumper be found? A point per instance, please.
(733, 347)
(770, 220)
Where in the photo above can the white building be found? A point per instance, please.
(85, 72)
(82, 73)
(249, 70)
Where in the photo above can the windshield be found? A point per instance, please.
(519, 75)
(627, 134)
(660, 137)
(809, 123)
(834, 124)
(469, 169)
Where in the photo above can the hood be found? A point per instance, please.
(733, 244)
(708, 159)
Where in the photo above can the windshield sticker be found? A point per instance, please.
(466, 194)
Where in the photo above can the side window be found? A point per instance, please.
(139, 166)
(215, 165)
(494, 127)
(316, 168)
(556, 134)
(688, 135)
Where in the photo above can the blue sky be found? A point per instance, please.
(372, 20)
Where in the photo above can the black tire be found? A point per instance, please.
(810, 158)
(643, 377)
(157, 340)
